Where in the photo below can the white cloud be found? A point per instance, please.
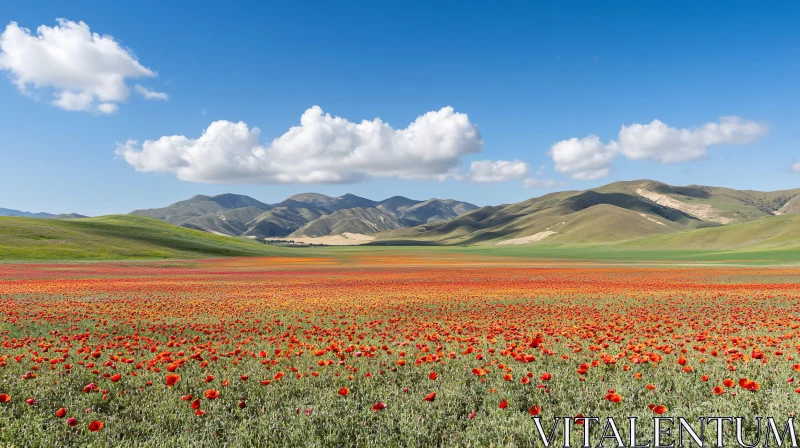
(532, 182)
(497, 171)
(796, 167)
(589, 158)
(149, 94)
(657, 141)
(323, 149)
(107, 108)
(82, 70)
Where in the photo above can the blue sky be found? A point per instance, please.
(527, 76)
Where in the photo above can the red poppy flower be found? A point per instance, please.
(718, 390)
(95, 426)
(211, 394)
(546, 377)
(659, 409)
(503, 404)
(535, 410)
(116, 378)
(433, 376)
(72, 421)
(379, 406)
(61, 413)
(196, 404)
(344, 391)
(430, 397)
(5, 398)
(172, 379)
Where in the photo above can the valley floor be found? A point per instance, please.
(385, 348)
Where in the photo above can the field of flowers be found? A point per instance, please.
(382, 351)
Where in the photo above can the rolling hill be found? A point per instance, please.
(632, 217)
(114, 237)
(617, 212)
(768, 233)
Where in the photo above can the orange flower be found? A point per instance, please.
(278, 376)
(525, 380)
(650, 387)
(5, 398)
(478, 371)
(507, 377)
(344, 391)
(95, 426)
(211, 394)
(172, 379)
(430, 397)
(718, 390)
(728, 382)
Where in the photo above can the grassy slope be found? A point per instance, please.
(775, 238)
(112, 238)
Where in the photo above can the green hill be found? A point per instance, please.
(114, 237)
(769, 233)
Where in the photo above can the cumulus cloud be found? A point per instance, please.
(322, 149)
(83, 71)
(149, 94)
(796, 167)
(589, 158)
(586, 158)
(497, 171)
(533, 182)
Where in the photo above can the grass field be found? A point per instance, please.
(381, 348)
(114, 237)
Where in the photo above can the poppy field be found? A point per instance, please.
(383, 351)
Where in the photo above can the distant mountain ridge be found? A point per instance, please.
(19, 213)
(303, 215)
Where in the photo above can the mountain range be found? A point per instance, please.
(304, 215)
(612, 213)
(640, 215)
(18, 213)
